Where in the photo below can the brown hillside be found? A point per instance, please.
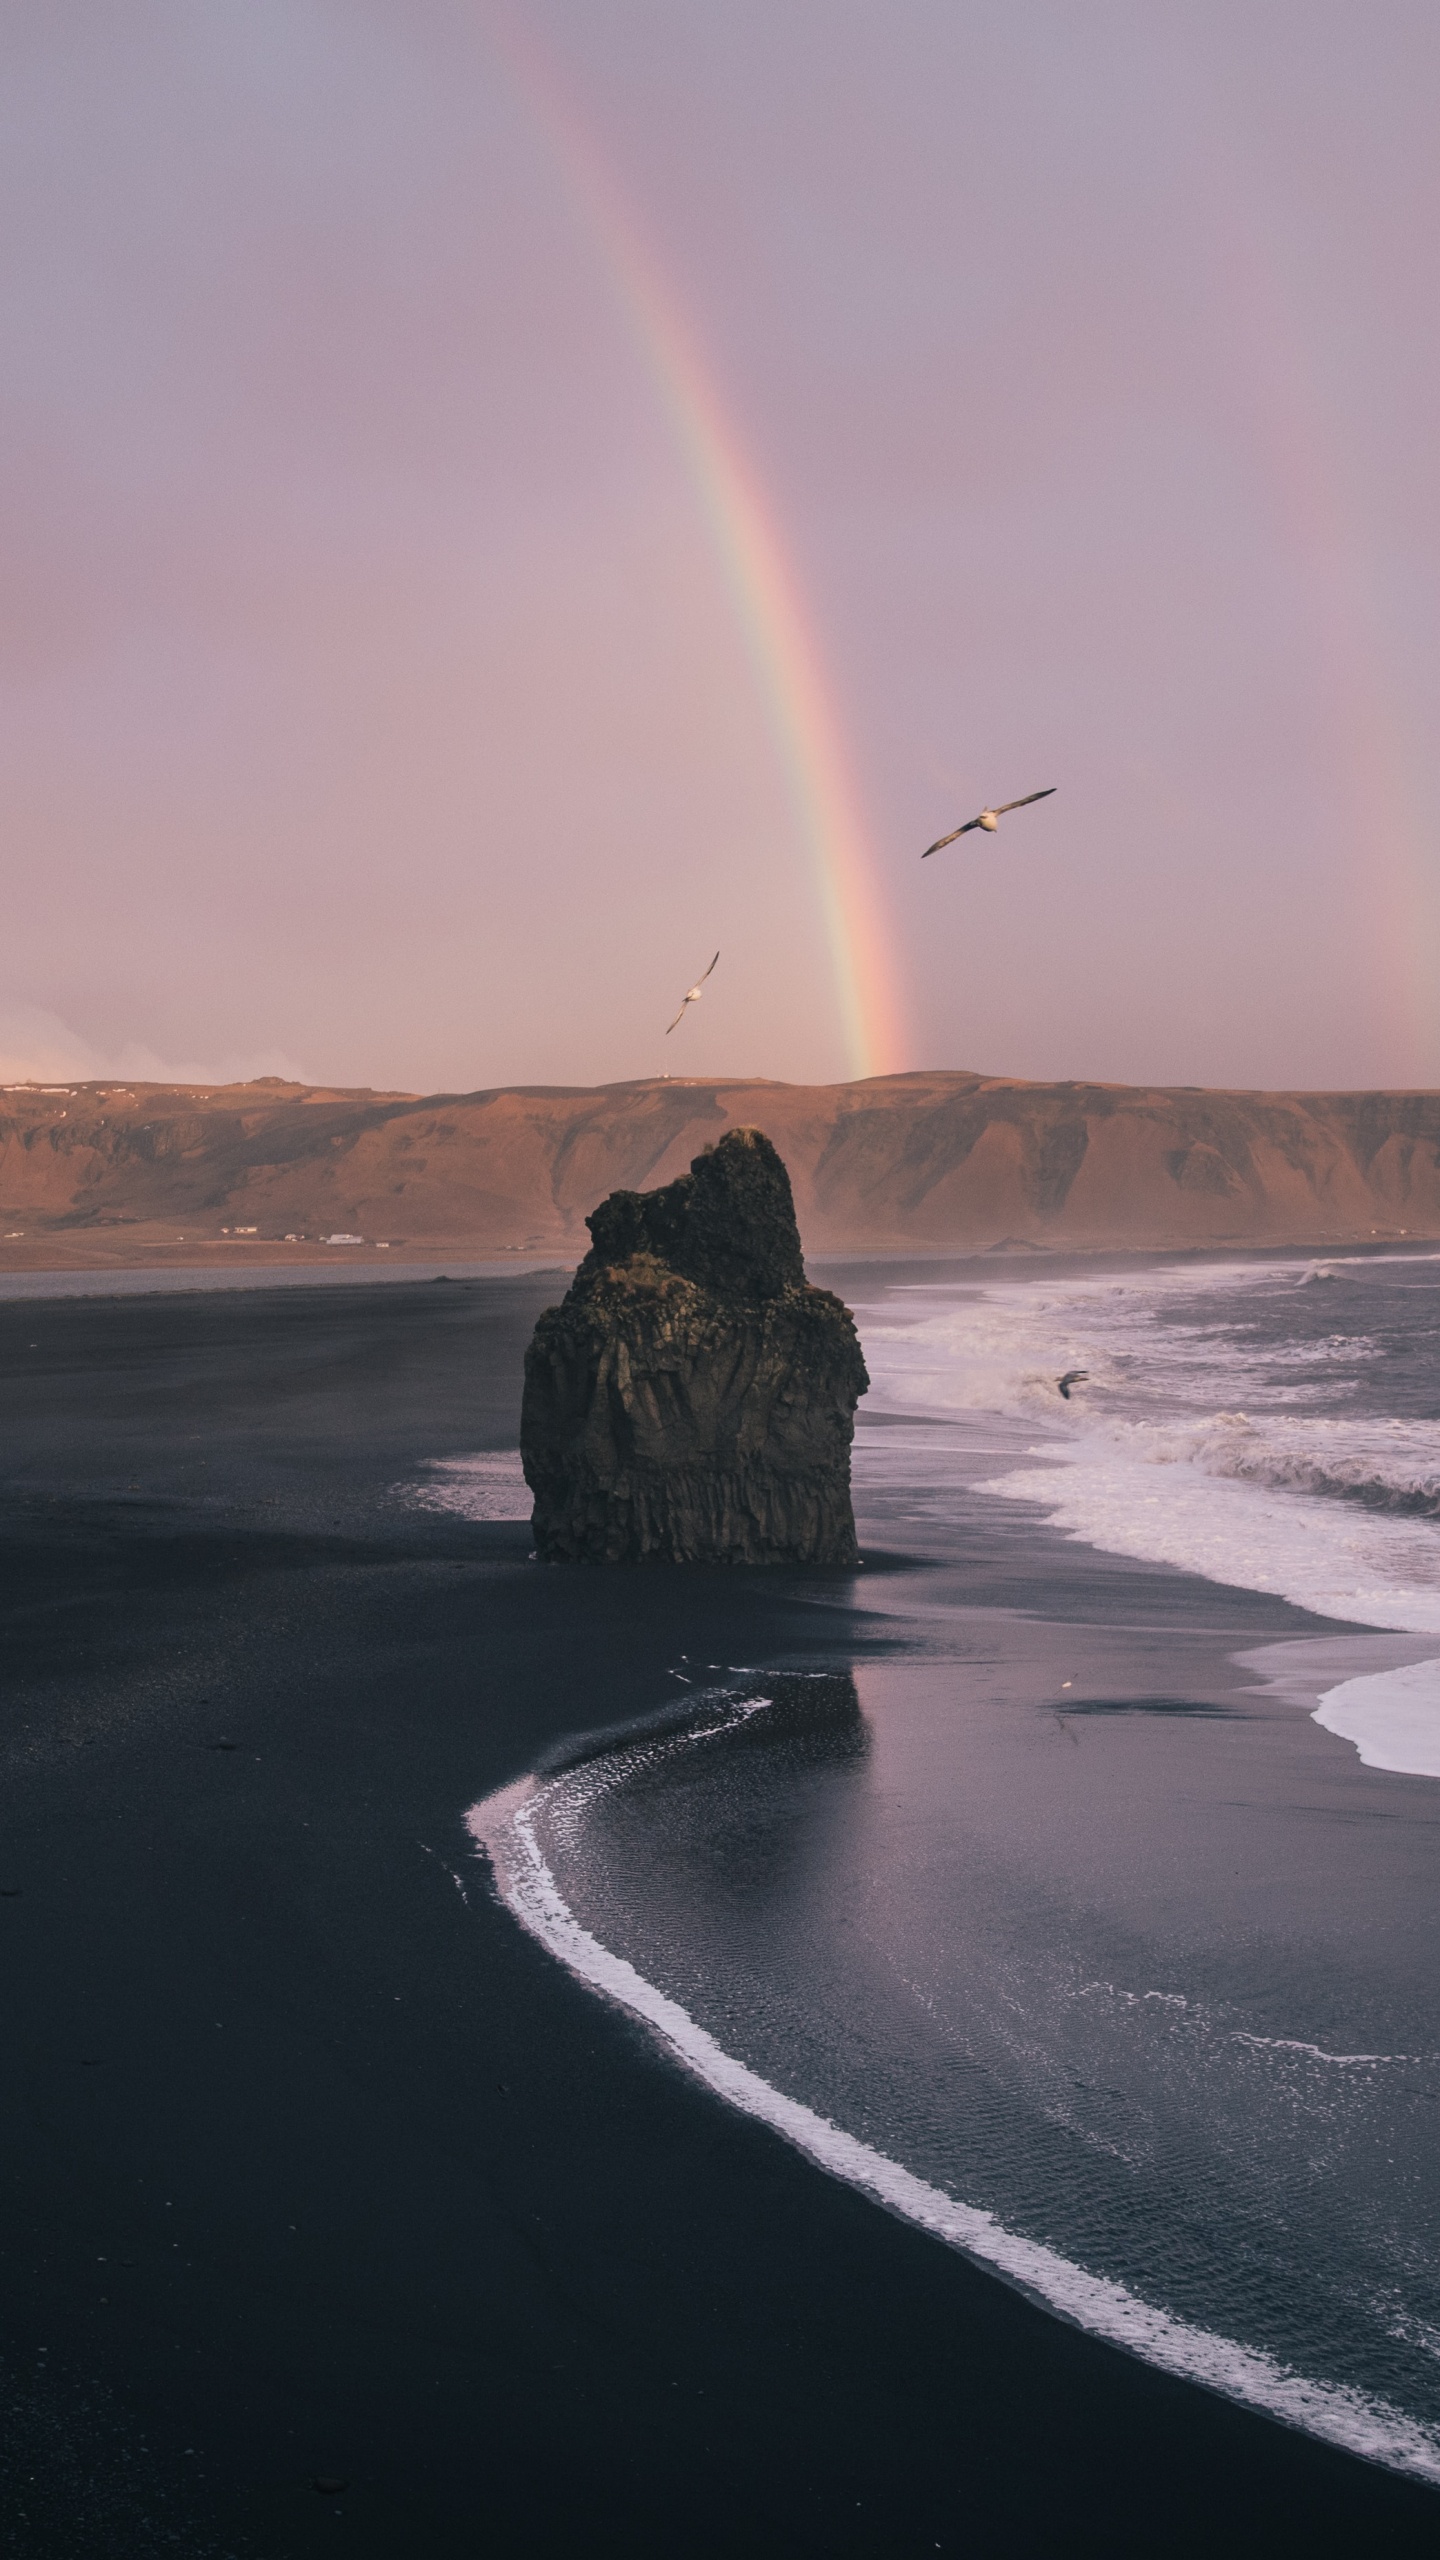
(102, 1174)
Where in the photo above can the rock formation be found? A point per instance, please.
(693, 1400)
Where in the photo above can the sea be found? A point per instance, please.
(1087, 1918)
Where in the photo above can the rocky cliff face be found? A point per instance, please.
(693, 1400)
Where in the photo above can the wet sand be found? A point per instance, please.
(315, 2167)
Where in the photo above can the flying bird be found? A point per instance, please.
(1072, 1378)
(693, 997)
(989, 819)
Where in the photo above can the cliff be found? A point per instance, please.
(693, 1399)
(927, 1162)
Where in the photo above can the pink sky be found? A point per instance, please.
(375, 706)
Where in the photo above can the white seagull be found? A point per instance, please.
(989, 819)
(694, 996)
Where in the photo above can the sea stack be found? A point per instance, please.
(693, 1399)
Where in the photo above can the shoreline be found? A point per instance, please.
(503, 1826)
(327, 2170)
(324, 1267)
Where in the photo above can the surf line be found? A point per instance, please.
(503, 1828)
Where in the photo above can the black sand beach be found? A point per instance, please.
(316, 2169)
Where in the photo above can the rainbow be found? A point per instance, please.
(762, 584)
(1324, 516)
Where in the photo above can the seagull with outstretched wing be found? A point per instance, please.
(989, 819)
(693, 997)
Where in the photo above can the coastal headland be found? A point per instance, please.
(107, 1176)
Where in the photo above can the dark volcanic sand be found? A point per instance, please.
(313, 2168)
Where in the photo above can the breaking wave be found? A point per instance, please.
(1214, 1425)
(506, 1829)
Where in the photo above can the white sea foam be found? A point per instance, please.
(1377, 1573)
(1191, 1442)
(503, 1826)
(1316, 2052)
(488, 1486)
(1392, 1717)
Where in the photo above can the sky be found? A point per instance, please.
(499, 503)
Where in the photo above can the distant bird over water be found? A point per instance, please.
(1072, 1378)
(694, 996)
(989, 819)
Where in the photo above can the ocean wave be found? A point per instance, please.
(1379, 1465)
(504, 1829)
(1335, 1561)
(1383, 1465)
(1191, 1438)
